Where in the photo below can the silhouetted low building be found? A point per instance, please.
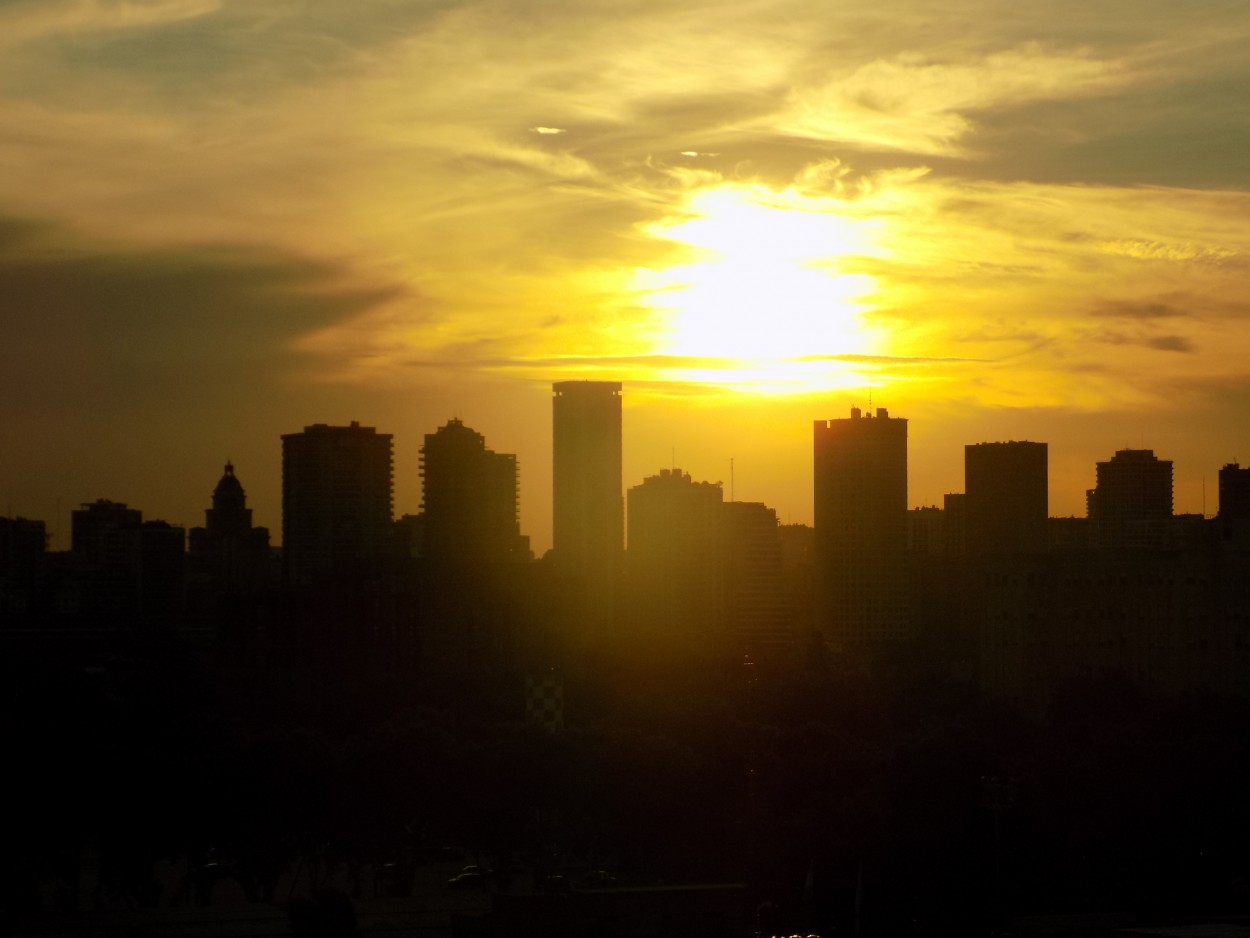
(1171, 621)
(121, 571)
(23, 553)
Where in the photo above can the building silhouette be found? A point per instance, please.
(123, 571)
(758, 612)
(469, 499)
(588, 518)
(860, 514)
(1005, 497)
(228, 555)
(673, 564)
(23, 559)
(1131, 505)
(105, 534)
(336, 503)
(1234, 507)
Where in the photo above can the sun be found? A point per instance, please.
(766, 290)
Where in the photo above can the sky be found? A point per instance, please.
(223, 221)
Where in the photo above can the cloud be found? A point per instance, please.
(1170, 343)
(91, 322)
(921, 104)
(1147, 310)
(23, 22)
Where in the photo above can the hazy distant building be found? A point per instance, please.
(1131, 505)
(1005, 492)
(926, 531)
(757, 605)
(860, 508)
(955, 522)
(588, 517)
(674, 561)
(798, 553)
(1068, 534)
(228, 556)
(469, 499)
(336, 502)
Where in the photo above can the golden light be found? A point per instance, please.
(768, 290)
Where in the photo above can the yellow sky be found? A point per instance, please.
(221, 221)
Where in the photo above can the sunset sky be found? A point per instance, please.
(221, 221)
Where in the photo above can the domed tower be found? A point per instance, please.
(229, 514)
(228, 556)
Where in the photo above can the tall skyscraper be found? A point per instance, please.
(470, 499)
(860, 513)
(336, 502)
(588, 518)
(1132, 502)
(1005, 491)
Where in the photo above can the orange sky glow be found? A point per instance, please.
(222, 221)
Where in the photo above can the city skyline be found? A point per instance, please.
(411, 506)
(218, 223)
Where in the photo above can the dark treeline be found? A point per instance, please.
(892, 802)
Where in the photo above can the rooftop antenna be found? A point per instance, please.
(731, 478)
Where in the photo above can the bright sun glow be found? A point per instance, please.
(767, 290)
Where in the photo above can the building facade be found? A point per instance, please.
(1005, 492)
(674, 560)
(1131, 505)
(337, 485)
(588, 516)
(469, 499)
(860, 514)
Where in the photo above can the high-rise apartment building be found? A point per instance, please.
(860, 513)
(336, 502)
(469, 499)
(1005, 497)
(588, 518)
(1131, 505)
